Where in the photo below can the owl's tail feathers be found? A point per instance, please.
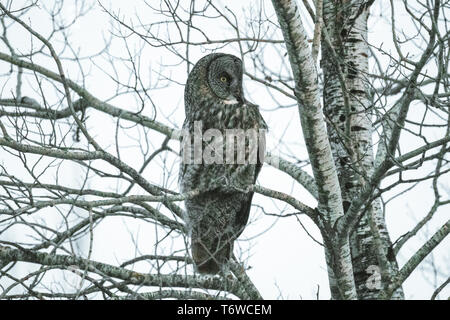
(211, 260)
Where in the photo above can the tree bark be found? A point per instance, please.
(306, 90)
(348, 109)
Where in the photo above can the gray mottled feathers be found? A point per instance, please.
(218, 215)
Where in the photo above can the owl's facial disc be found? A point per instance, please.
(225, 79)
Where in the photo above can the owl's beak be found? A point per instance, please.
(239, 97)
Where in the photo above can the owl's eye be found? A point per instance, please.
(224, 79)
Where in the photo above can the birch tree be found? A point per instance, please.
(90, 138)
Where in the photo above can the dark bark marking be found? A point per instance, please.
(357, 128)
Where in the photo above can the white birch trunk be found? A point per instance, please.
(347, 107)
(314, 130)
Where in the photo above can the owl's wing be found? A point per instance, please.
(243, 215)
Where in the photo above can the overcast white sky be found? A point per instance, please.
(285, 262)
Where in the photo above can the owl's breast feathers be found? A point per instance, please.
(224, 176)
(226, 115)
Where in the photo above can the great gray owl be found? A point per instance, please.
(214, 104)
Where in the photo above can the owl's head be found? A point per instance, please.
(224, 76)
(215, 78)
